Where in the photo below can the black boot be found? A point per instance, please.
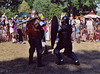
(30, 59)
(60, 62)
(74, 58)
(60, 59)
(39, 62)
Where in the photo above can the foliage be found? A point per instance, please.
(47, 8)
(12, 5)
(30, 3)
(24, 7)
(9, 14)
(75, 6)
(85, 5)
(54, 10)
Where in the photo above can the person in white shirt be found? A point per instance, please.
(90, 28)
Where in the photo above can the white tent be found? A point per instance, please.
(91, 14)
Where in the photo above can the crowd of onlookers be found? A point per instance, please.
(83, 29)
(13, 29)
(10, 29)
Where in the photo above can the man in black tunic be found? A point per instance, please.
(64, 35)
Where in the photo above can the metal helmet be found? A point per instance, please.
(65, 20)
(34, 13)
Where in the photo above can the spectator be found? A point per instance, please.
(20, 34)
(4, 19)
(84, 34)
(24, 26)
(72, 22)
(4, 15)
(77, 24)
(1, 32)
(90, 28)
(14, 31)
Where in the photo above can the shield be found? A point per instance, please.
(54, 30)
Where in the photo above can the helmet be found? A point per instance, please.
(65, 20)
(34, 13)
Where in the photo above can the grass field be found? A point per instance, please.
(14, 60)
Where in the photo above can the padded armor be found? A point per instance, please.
(65, 32)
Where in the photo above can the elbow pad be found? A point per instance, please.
(42, 23)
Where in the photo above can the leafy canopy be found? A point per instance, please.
(24, 7)
(47, 8)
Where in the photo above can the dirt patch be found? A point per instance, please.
(14, 60)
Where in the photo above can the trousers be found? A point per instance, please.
(35, 43)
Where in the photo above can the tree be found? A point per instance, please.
(84, 5)
(8, 13)
(47, 8)
(77, 6)
(30, 3)
(12, 5)
(54, 10)
(24, 7)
